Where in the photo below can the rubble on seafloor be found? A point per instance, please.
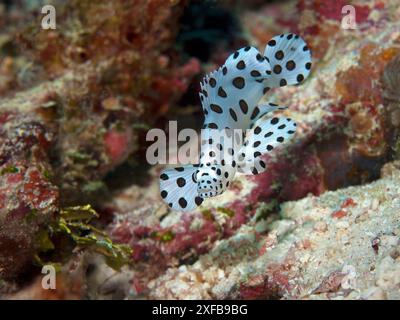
(321, 223)
(344, 244)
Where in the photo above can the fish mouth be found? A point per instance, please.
(204, 190)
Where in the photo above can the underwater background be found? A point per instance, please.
(77, 194)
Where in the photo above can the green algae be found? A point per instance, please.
(74, 224)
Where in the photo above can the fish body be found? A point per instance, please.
(237, 131)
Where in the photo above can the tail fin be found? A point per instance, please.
(290, 60)
(178, 188)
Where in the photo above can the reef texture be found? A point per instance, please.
(315, 225)
(344, 244)
(347, 130)
(74, 102)
(28, 199)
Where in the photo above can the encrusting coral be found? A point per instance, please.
(99, 78)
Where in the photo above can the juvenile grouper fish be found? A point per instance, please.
(230, 99)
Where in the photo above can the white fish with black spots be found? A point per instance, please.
(237, 131)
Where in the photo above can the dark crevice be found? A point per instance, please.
(204, 26)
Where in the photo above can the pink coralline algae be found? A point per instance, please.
(28, 198)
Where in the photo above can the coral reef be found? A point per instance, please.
(345, 136)
(320, 223)
(75, 100)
